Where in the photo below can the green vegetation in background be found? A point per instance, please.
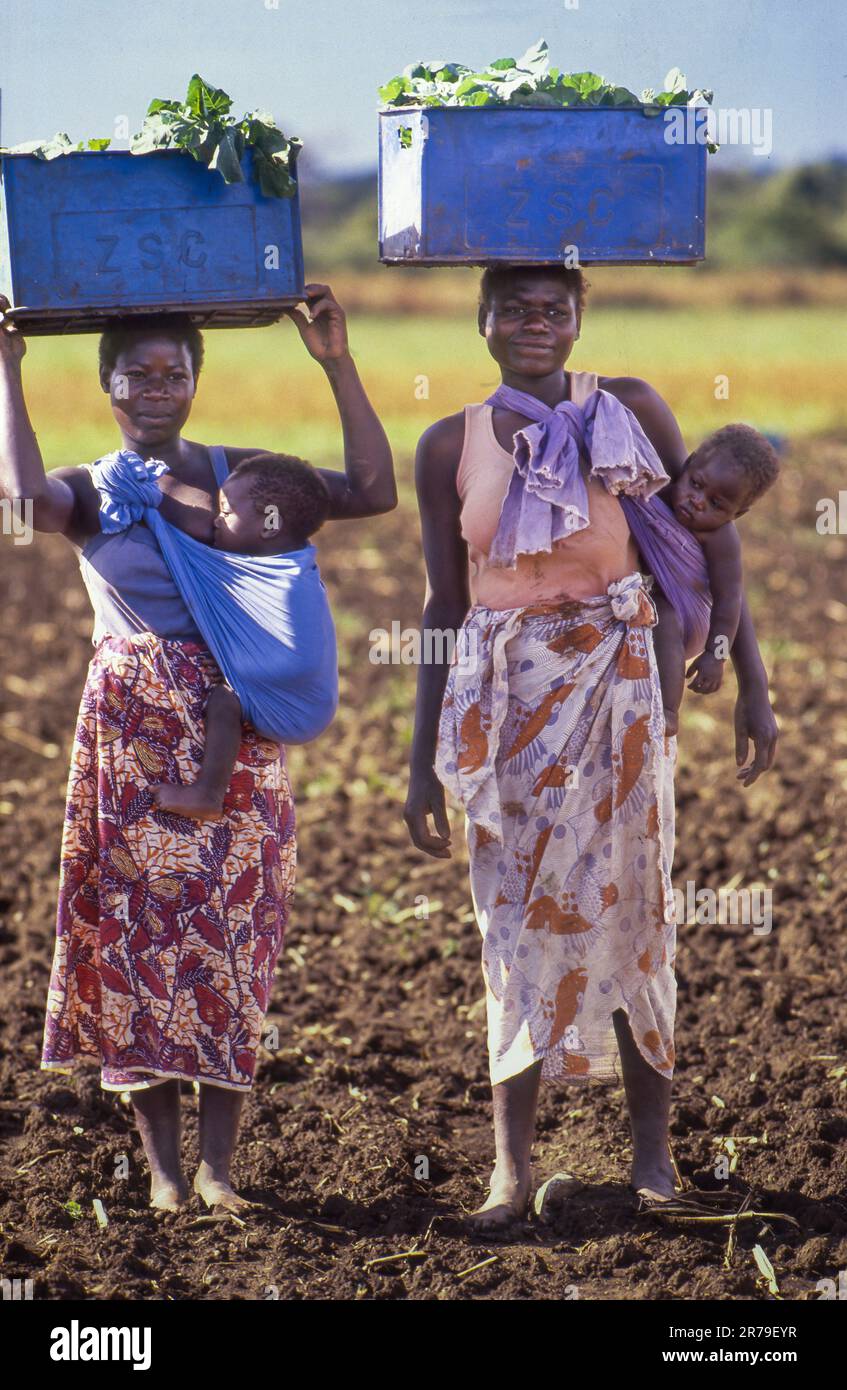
(796, 217)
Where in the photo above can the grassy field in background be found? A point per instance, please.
(786, 370)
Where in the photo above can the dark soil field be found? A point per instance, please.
(368, 1132)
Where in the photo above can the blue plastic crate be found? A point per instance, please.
(482, 185)
(87, 236)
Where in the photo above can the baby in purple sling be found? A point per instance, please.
(682, 528)
(685, 537)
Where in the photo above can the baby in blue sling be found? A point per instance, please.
(257, 597)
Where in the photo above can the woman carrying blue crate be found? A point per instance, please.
(548, 727)
(168, 929)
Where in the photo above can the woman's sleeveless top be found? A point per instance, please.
(579, 567)
(129, 584)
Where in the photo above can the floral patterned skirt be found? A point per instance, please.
(168, 929)
(552, 738)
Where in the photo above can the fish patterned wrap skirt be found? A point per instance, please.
(168, 929)
(552, 739)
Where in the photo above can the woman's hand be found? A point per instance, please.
(754, 719)
(12, 341)
(325, 331)
(425, 798)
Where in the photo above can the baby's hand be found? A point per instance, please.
(707, 671)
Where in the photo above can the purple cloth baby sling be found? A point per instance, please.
(547, 499)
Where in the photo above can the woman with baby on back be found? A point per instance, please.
(178, 858)
(540, 508)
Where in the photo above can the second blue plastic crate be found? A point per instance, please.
(481, 185)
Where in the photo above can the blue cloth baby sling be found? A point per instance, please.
(265, 618)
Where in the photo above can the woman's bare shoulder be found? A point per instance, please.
(444, 439)
(629, 389)
(437, 460)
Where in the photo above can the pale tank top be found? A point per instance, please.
(580, 567)
(130, 586)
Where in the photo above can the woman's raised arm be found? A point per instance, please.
(57, 502)
(367, 486)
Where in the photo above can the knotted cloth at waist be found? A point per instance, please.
(476, 700)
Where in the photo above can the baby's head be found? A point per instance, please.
(270, 503)
(723, 478)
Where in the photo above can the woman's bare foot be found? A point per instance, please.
(217, 1192)
(648, 1095)
(167, 1195)
(219, 1115)
(195, 801)
(157, 1114)
(506, 1203)
(514, 1102)
(655, 1181)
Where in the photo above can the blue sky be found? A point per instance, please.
(76, 65)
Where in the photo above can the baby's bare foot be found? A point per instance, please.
(194, 802)
(217, 1192)
(671, 722)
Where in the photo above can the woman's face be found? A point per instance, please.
(530, 325)
(151, 388)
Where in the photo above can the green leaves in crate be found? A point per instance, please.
(273, 154)
(202, 126)
(51, 149)
(528, 81)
